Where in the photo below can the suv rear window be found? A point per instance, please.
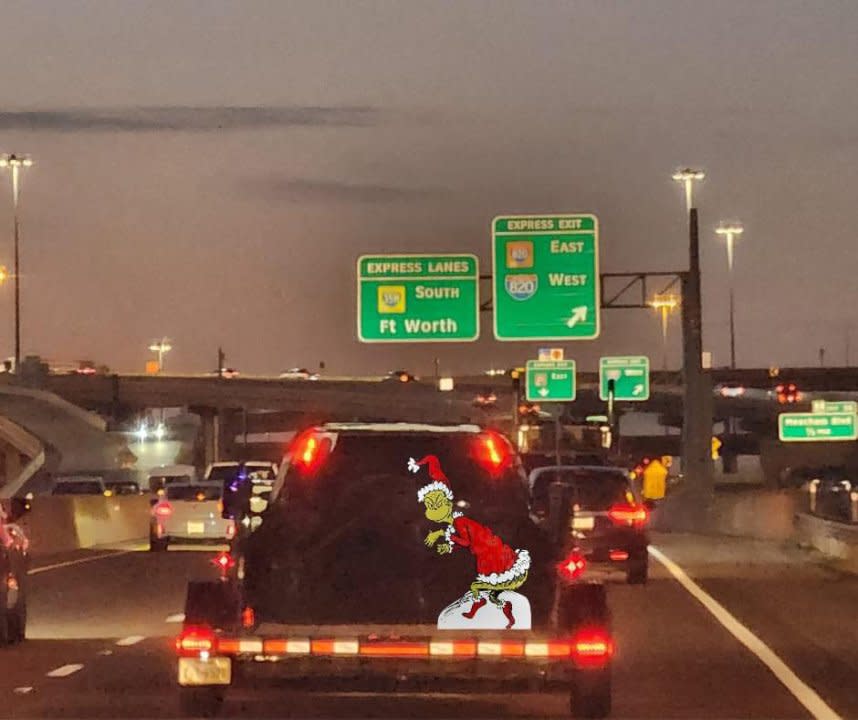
(592, 489)
(78, 487)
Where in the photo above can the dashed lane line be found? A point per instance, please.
(805, 694)
(130, 640)
(177, 618)
(64, 670)
(68, 563)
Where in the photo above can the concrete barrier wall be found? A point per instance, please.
(836, 540)
(761, 514)
(61, 523)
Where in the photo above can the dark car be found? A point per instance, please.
(14, 565)
(396, 550)
(602, 515)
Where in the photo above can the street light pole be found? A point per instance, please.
(730, 231)
(161, 347)
(15, 163)
(697, 400)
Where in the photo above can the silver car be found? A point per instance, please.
(189, 512)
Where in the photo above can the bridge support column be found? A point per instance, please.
(211, 431)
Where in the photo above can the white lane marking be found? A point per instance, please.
(805, 694)
(65, 670)
(177, 618)
(130, 640)
(105, 652)
(67, 563)
(23, 690)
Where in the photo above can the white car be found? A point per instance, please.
(189, 512)
(299, 374)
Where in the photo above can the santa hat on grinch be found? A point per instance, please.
(439, 479)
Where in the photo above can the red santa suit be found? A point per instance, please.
(497, 562)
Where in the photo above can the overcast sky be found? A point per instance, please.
(210, 170)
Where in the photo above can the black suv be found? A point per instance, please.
(398, 550)
(600, 515)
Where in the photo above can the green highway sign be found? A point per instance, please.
(417, 298)
(814, 427)
(546, 277)
(834, 406)
(550, 380)
(630, 376)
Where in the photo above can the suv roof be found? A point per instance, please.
(402, 427)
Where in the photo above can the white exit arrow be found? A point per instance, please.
(637, 390)
(579, 314)
(543, 391)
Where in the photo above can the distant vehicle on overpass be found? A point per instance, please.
(299, 374)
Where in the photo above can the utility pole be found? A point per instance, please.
(221, 359)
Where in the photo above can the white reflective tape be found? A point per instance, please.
(298, 646)
(346, 647)
(440, 648)
(488, 648)
(536, 649)
(251, 645)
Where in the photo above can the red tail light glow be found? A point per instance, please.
(309, 450)
(194, 640)
(618, 555)
(573, 566)
(492, 451)
(248, 617)
(592, 648)
(163, 509)
(628, 515)
(224, 562)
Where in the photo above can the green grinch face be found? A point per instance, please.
(438, 507)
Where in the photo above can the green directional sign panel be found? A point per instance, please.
(834, 406)
(417, 298)
(816, 427)
(546, 277)
(550, 380)
(630, 375)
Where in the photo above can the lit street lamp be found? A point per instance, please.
(731, 231)
(688, 176)
(665, 304)
(161, 347)
(15, 163)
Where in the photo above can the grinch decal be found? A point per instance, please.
(500, 569)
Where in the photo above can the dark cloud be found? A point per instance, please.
(309, 190)
(187, 119)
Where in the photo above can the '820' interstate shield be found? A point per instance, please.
(546, 277)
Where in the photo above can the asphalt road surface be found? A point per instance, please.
(101, 628)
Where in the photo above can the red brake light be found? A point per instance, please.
(634, 515)
(573, 566)
(195, 639)
(248, 617)
(163, 509)
(492, 451)
(224, 561)
(309, 449)
(592, 648)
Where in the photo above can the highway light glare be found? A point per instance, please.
(160, 431)
(142, 433)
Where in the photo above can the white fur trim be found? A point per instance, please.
(448, 533)
(519, 567)
(413, 466)
(431, 487)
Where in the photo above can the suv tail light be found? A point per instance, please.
(492, 451)
(309, 450)
(573, 566)
(628, 515)
(163, 509)
(592, 648)
(195, 640)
